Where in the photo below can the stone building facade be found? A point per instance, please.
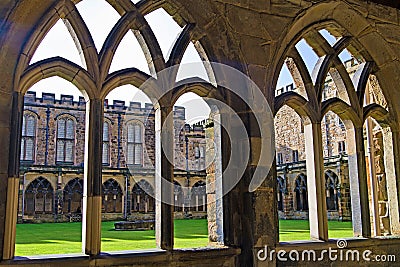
(52, 156)
(291, 154)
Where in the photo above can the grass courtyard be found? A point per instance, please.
(63, 238)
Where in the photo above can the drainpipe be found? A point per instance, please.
(46, 153)
(119, 141)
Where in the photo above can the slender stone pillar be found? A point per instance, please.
(316, 182)
(164, 183)
(358, 182)
(11, 198)
(214, 184)
(389, 141)
(91, 221)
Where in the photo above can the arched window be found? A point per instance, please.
(332, 186)
(300, 191)
(142, 200)
(134, 149)
(106, 143)
(28, 137)
(178, 197)
(73, 196)
(281, 190)
(39, 197)
(112, 197)
(65, 140)
(199, 197)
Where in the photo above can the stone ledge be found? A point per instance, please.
(352, 242)
(153, 257)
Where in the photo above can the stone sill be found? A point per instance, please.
(213, 256)
(352, 242)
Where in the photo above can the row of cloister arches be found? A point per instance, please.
(39, 197)
(299, 188)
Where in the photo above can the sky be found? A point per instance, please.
(310, 58)
(58, 42)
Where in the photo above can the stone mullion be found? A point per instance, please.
(358, 182)
(91, 222)
(13, 177)
(316, 182)
(164, 175)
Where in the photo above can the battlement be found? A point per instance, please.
(117, 105)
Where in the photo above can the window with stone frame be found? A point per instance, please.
(28, 138)
(65, 140)
(341, 147)
(134, 150)
(341, 124)
(295, 155)
(196, 152)
(106, 143)
(279, 158)
(202, 152)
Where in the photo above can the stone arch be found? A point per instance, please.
(198, 197)
(39, 197)
(338, 13)
(72, 196)
(58, 67)
(332, 186)
(112, 196)
(282, 190)
(179, 201)
(300, 193)
(143, 197)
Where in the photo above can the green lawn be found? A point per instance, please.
(290, 230)
(62, 238)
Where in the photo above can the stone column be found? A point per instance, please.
(315, 181)
(91, 213)
(358, 182)
(214, 184)
(10, 187)
(164, 183)
(391, 139)
(58, 198)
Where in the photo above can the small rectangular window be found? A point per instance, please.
(341, 147)
(295, 155)
(279, 158)
(341, 124)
